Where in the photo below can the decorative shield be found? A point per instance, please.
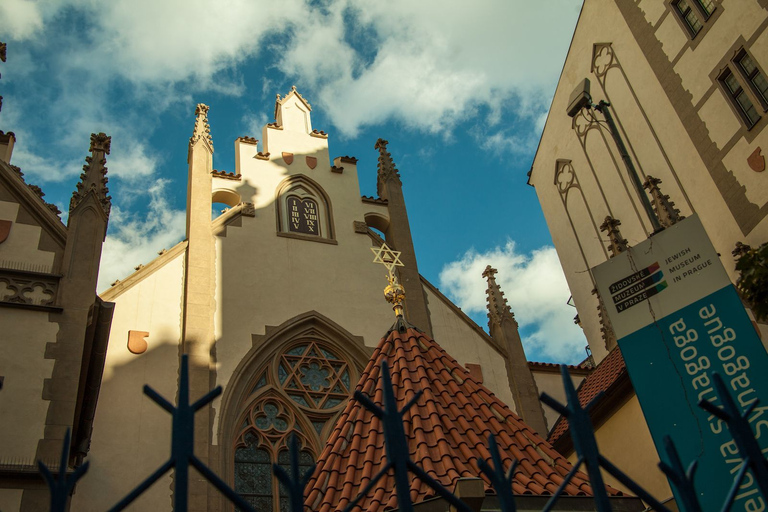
(5, 228)
(136, 342)
(288, 158)
(312, 162)
(756, 161)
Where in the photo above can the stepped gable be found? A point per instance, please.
(446, 429)
(602, 378)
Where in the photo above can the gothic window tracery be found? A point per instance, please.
(299, 391)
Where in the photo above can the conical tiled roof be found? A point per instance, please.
(447, 429)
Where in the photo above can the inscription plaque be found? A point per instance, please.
(302, 216)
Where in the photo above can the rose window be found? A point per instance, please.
(313, 376)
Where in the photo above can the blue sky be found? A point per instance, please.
(460, 91)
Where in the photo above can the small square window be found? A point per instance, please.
(688, 16)
(754, 76)
(739, 98)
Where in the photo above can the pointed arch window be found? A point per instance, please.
(298, 391)
(304, 210)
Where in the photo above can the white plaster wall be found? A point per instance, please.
(131, 435)
(638, 458)
(551, 383)
(466, 346)
(22, 362)
(20, 250)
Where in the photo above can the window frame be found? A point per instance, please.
(303, 187)
(762, 98)
(703, 10)
(734, 95)
(683, 16)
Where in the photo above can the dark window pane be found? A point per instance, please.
(755, 77)
(690, 18)
(761, 84)
(707, 6)
(747, 65)
(748, 108)
(732, 83)
(740, 98)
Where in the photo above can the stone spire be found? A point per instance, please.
(665, 209)
(398, 237)
(504, 330)
(93, 179)
(498, 308)
(202, 129)
(386, 167)
(199, 284)
(616, 243)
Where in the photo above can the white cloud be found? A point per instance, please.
(254, 123)
(423, 63)
(536, 290)
(434, 63)
(130, 160)
(19, 19)
(136, 238)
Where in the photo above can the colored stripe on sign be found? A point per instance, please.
(633, 278)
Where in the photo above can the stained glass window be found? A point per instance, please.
(253, 473)
(314, 377)
(305, 384)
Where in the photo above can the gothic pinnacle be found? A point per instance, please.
(498, 308)
(386, 167)
(94, 176)
(202, 129)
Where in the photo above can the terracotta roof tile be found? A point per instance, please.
(602, 377)
(447, 430)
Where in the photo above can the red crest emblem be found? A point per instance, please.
(311, 162)
(5, 229)
(288, 158)
(756, 161)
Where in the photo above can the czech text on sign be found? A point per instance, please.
(678, 318)
(302, 216)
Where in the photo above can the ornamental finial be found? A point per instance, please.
(394, 293)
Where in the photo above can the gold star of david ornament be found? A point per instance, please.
(387, 257)
(394, 293)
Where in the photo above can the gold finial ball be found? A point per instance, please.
(395, 295)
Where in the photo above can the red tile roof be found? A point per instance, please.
(601, 379)
(446, 430)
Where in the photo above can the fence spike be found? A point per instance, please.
(681, 478)
(741, 431)
(295, 482)
(396, 448)
(501, 481)
(583, 436)
(61, 487)
(182, 448)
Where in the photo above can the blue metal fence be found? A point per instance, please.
(403, 468)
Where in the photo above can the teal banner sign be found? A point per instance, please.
(678, 318)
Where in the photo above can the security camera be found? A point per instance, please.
(580, 98)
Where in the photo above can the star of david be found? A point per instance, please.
(387, 257)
